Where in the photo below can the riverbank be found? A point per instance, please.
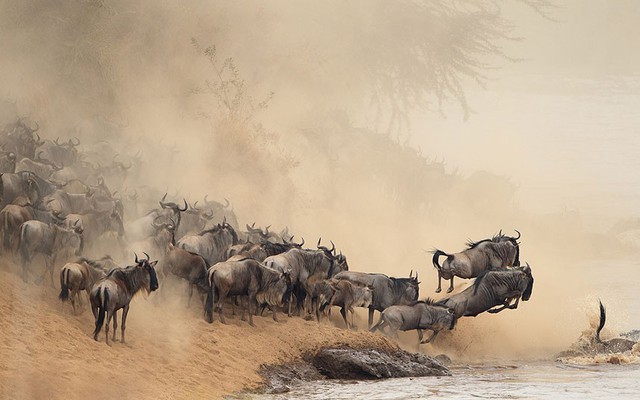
(171, 352)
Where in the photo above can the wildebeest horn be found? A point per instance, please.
(74, 144)
(319, 239)
(185, 206)
(227, 201)
(193, 206)
(148, 258)
(39, 141)
(333, 248)
(56, 141)
(37, 127)
(248, 228)
(500, 233)
(411, 274)
(518, 234)
(164, 197)
(302, 242)
(136, 257)
(416, 275)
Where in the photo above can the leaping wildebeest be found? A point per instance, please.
(116, 291)
(421, 315)
(491, 289)
(499, 252)
(387, 291)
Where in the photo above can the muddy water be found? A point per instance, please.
(523, 381)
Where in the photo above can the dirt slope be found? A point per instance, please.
(171, 353)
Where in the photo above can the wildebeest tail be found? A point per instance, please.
(208, 305)
(436, 255)
(603, 319)
(102, 308)
(64, 285)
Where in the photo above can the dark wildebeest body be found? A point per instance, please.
(422, 315)
(47, 239)
(21, 184)
(260, 251)
(245, 277)
(188, 266)
(491, 289)
(81, 275)
(115, 292)
(14, 215)
(347, 296)
(143, 227)
(303, 264)
(498, 252)
(211, 244)
(387, 291)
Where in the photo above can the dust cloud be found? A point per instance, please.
(315, 117)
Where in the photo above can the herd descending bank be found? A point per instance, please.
(70, 204)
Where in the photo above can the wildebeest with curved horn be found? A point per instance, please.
(387, 291)
(305, 264)
(116, 291)
(421, 315)
(245, 277)
(491, 289)
(501, 251)
(211, 244)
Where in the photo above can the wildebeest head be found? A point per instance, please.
(500, 237)
(526, 270)
(150, 278)
(411, 287)
(70, 238)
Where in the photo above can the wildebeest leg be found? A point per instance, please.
(53, 262)
(439, 288)
(353, 317)
(190, 294)
(370, 317)
(435, 333)
(74, 293)
(242, 306)
(252, 301)
(274, 309)
(115, 325)
(222, 297)
(234, 299)
(420, 335)
(343, 312)
(451, 285)
(106, 327)
(125, 311)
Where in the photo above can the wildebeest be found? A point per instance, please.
(501, 251)
(7, 162)
(245, 277)
(81, 275)
(21, 184)
(115, 292)
(615, 345)
(143, 228)
(260, 251)
(421, 315)
(188, 266)
(491, 289)
(348, 295)
(387, 291)
(211, 244)
(304, 264)
(37, 237)
(15, 214)
(41, 167)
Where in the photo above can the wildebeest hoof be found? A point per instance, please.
(438, 290)
(308, 317)
(450, 290)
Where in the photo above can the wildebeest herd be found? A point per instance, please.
(57, 202)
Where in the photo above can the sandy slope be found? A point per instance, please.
(171, 353)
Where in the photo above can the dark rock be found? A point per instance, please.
(281, 378)
(443, 359)
(373, 364)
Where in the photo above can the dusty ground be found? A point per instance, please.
(171, 352)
